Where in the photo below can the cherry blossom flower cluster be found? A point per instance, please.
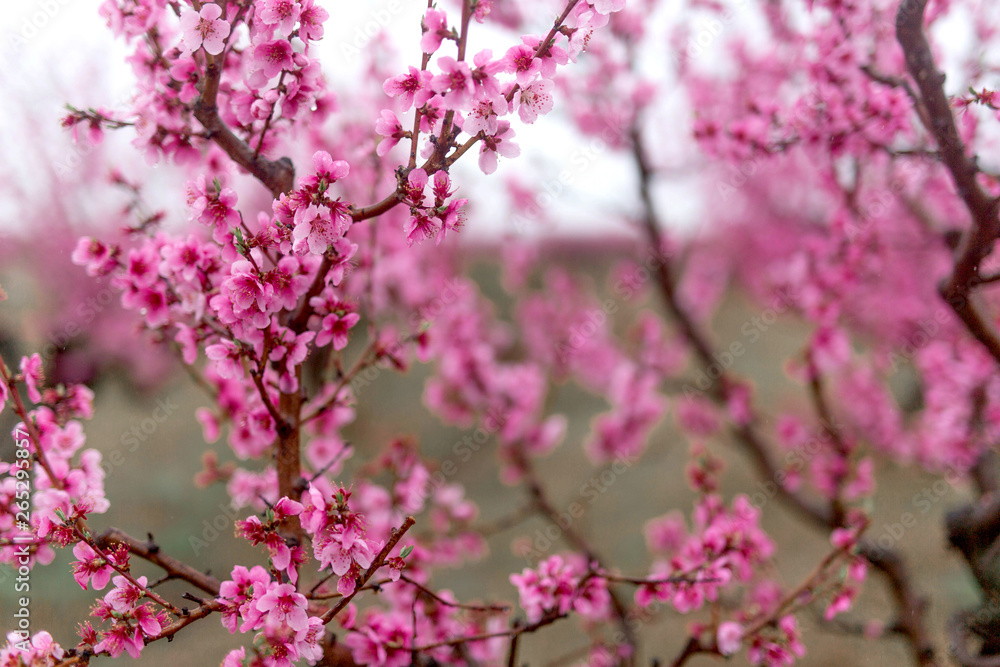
(39, 651)
(253, 601)
(339, 537)
(261, 49)
(556, 587)
(455, 97)
(72, 484)
(723, 546)
(132, 621)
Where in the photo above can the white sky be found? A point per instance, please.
(64, 42)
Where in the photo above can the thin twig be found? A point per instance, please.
(397, 534)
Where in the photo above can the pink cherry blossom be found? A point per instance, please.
(534, 100)
(485, 115)
(124, 596)
(335, 328)
(455, 83)
(389, 127)
(90, 567)
(413, 88)
(213, 207)
(31, 369)
(484, 78)
(282, 13)
(435, 26)
(729, 637)
(495, 144)
(311, 20)
(204, 29)
(269, 59)
(96, 256)
(121, 638)
(227, 357)
(840, 603)
(283, 604)
(235, 657)
(520, 60)
(608, 6)
(316, 227)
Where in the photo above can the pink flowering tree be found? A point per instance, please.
(847, 184)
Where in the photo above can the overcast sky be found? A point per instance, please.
(57, 51)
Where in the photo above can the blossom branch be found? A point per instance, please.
(394, 538)
(267, 123)
(150, 551)
(21, 411)
(448, 603)
(910, 606)
(146, 590)
(825, 416)
(288, 455)
(546, 509)
(978, 242)
(187, 619)
(278, 176)
(546, 620)
(367, 357)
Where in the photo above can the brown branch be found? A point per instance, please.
(692, 648)
(270, 117)
(490, 528)
(825, 416)
(898, 82)
(985, 472)
(512, 651)
(32, 430)
(362, 362)
(910, 606)
(960, 627)
(545, 508)
(126, 574)
(197, 614)
(278, 176)
(166, 633)
(281, 424)
(377, 209)
(151, 552)
(801, 595)
(397, 534)
(977, 243)
(448, 603)
(703, 349)
(548, 619)
(288, 456)
(989, 278)
(301, 317)
(974, 530)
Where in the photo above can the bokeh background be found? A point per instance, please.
(153, 490)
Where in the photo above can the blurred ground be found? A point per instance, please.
(153, 491)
